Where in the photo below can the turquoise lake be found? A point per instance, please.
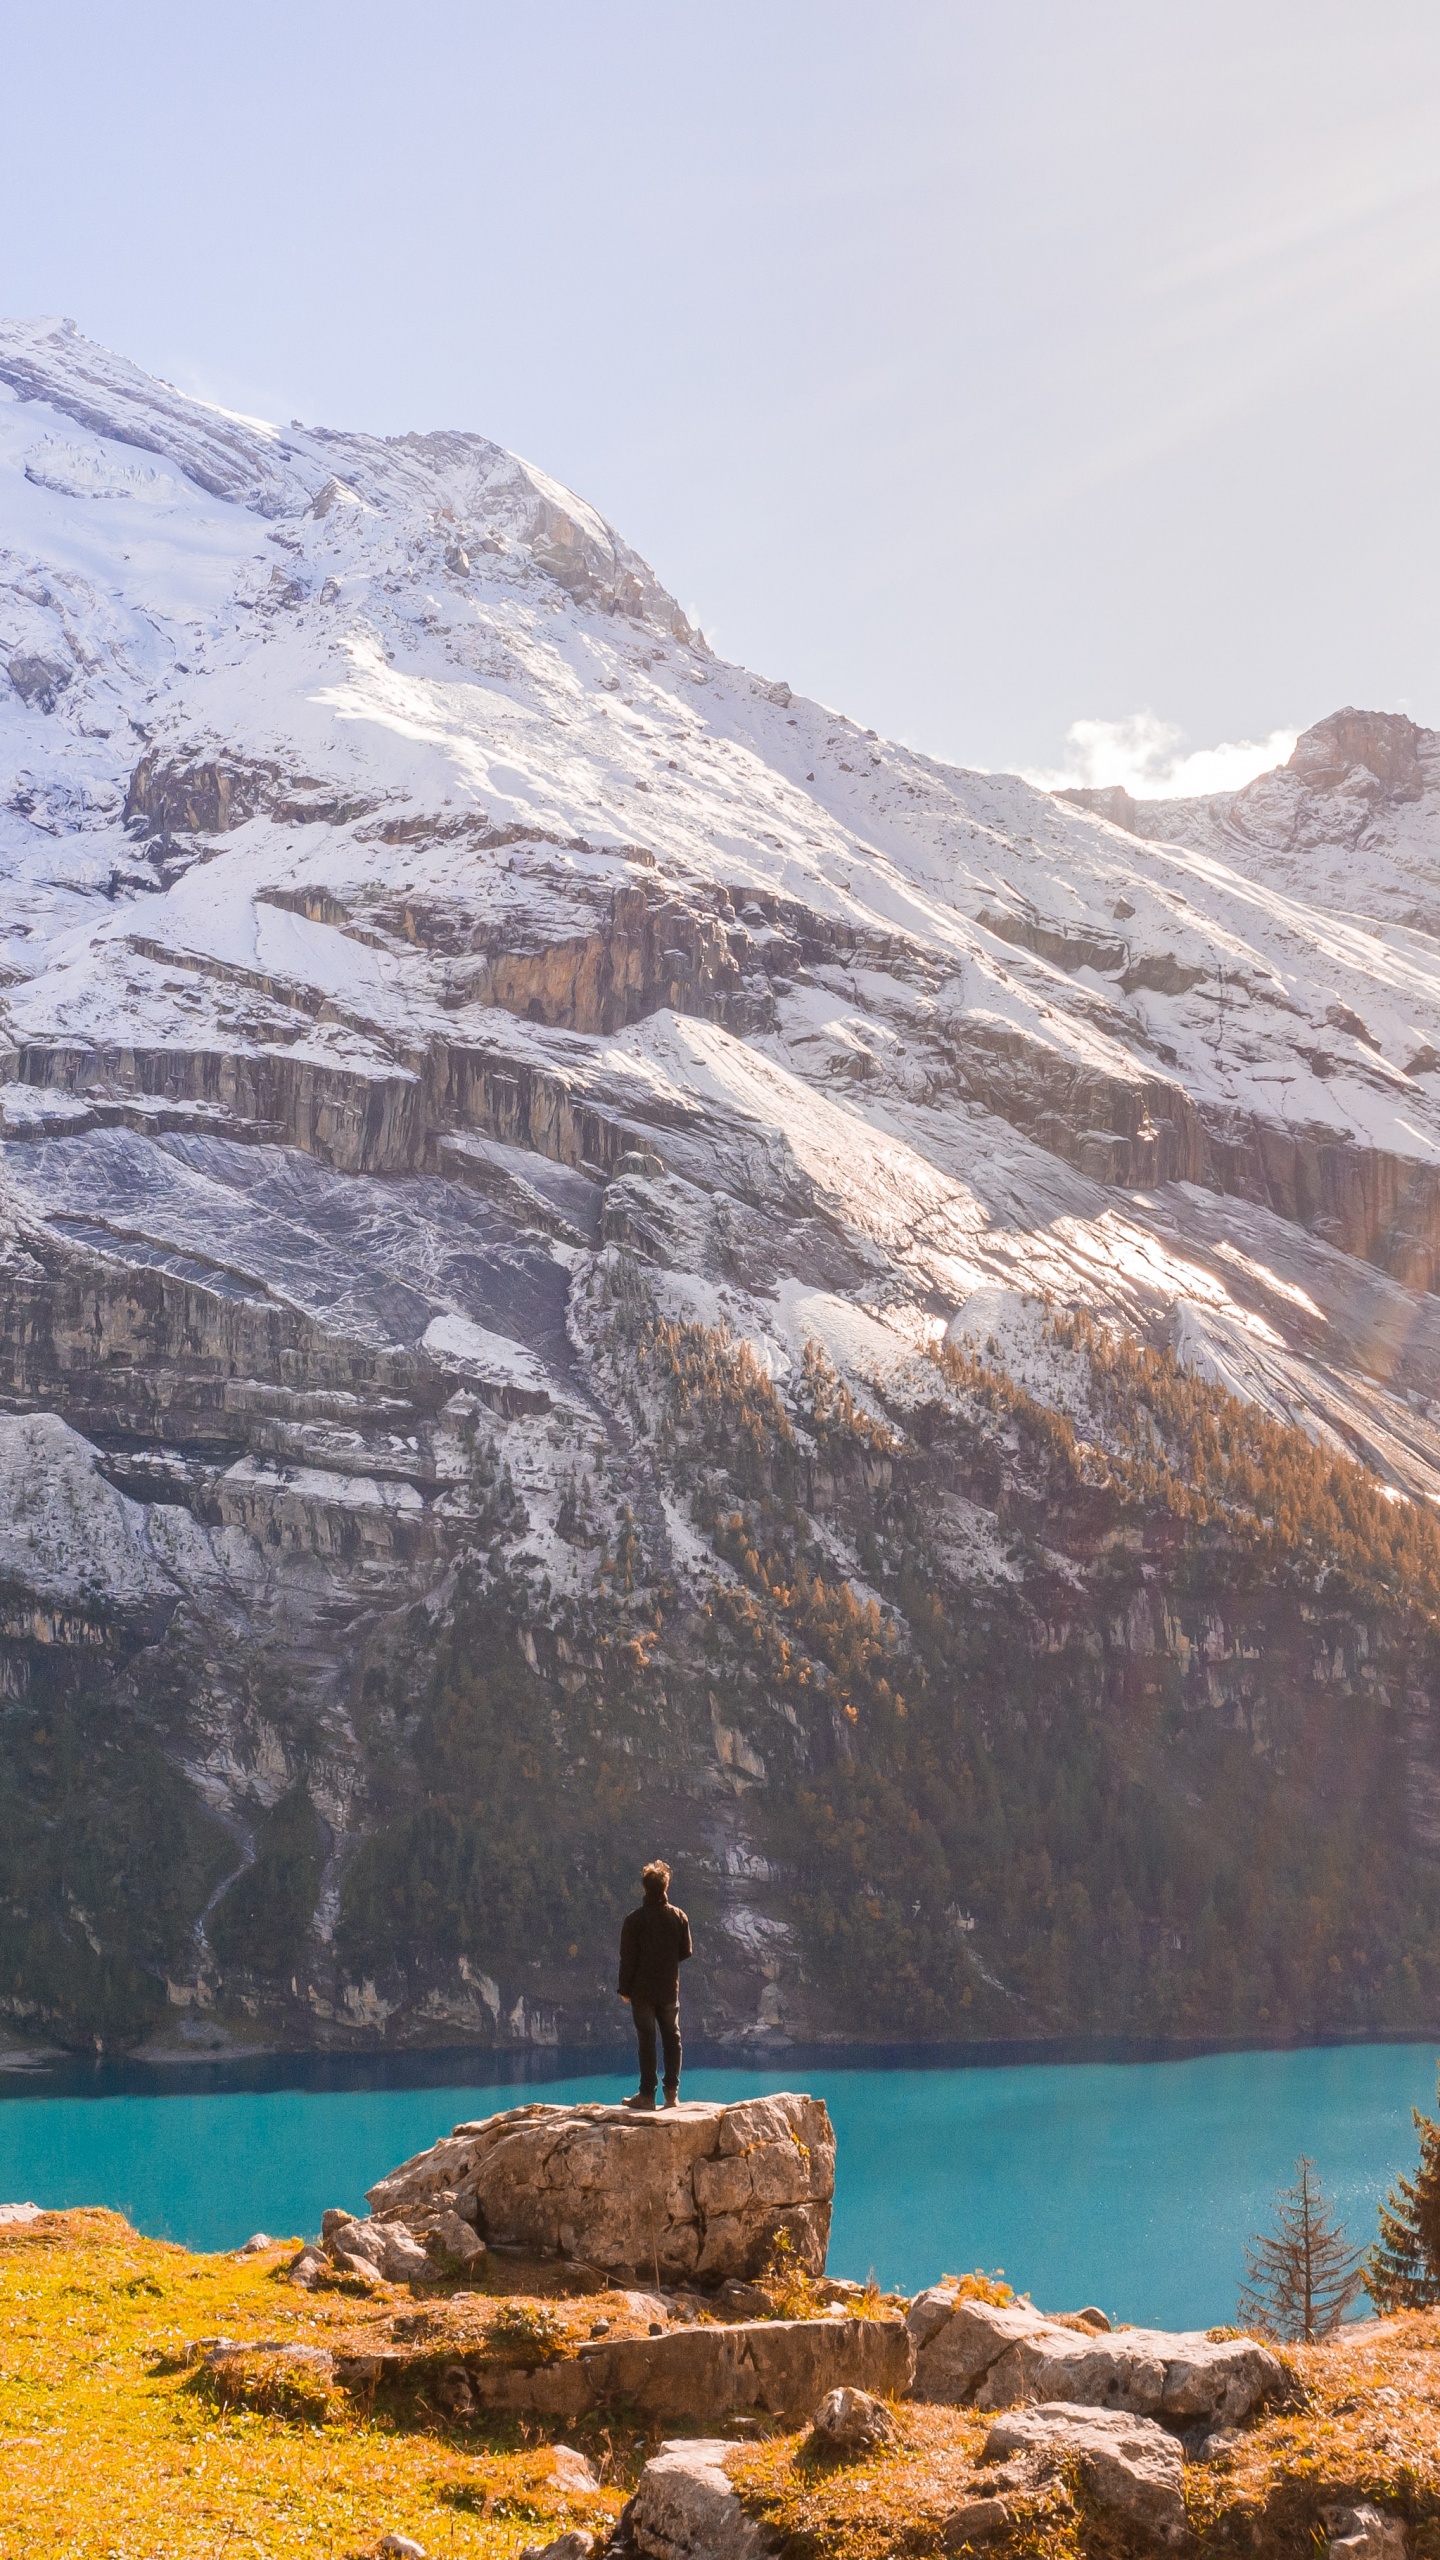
(1129, 2184)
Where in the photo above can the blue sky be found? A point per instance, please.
(981, 369)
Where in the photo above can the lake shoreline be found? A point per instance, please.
(270, 2068)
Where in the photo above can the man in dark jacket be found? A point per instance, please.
(654, 1943)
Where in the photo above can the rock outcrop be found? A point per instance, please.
(774, 2368)
(694, 2373)
(695, 2193)
(995, 2356)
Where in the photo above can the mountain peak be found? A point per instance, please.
(1386, 744)
(474, 487)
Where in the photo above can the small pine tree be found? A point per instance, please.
(1402, 2271)
(1301, 2276)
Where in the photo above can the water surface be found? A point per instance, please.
(1130, 2184)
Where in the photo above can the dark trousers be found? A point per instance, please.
(648, 2015)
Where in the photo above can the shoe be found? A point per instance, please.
(643, 2101)
(672, 2094)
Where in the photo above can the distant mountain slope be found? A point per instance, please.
(1350, 822)
(501, 1111)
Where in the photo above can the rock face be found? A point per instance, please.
(778, 2368)
(1127, 2463)
(995, 2356)
(697, 2192)
(497, 1107)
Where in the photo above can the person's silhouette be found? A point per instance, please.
(654, 1943)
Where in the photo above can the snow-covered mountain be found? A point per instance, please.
(417, 950)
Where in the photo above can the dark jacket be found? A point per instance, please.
(654, 1942)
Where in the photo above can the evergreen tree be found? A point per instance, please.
(1402, 2271)
(1302, 2275)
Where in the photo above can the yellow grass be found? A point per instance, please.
(111, 2447)
(114, 2445)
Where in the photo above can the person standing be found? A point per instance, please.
(654, 1943)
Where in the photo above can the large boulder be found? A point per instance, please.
(685, 2508)
(998, 2355)
(695, 2192)
(848, 2421)
(1127, 2463)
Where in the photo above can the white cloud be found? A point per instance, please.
(1149, 758)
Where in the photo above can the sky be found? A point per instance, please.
(1050, 386)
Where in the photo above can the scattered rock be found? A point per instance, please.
(693, 2191)
(573, 2473)
(359, 2270)
(979, 2520)
(740, 2301)
(1127, 2463)
(576, 2545)
(20, 2213)
(1220, 2442)
(257, 2241)
(309, 2267)
(1363, 2533)
(685, 2507)
(456, 2239)
(387, 2248)
(453, 2391)
(398, 2546)
(997, 2355)
(850, 2421)
(649, 2307)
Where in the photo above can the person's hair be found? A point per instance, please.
(656, 1877)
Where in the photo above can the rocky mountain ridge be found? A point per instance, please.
(503, 1115)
